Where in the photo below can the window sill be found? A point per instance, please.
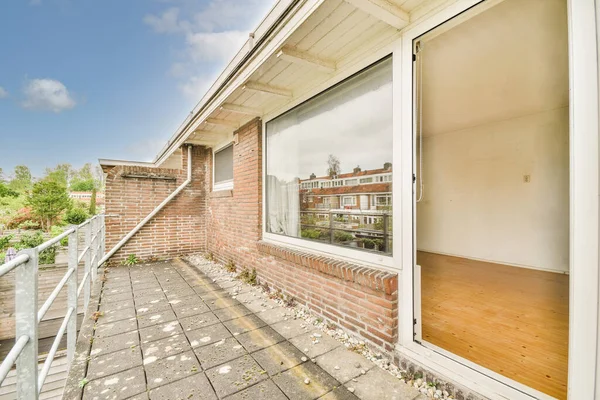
(375, 279)
(216, 194)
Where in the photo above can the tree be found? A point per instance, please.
(333, 166)
(93, 202)
(21, 181)
(82, 186)
(48, 200)
(62, 174)
(85, 180)
(5, 191)
(1, 175)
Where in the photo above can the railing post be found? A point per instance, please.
(102, 236)
(26, 309)
(88, 265)
(385, 233)
(330, 227)
(72, 295)
(93, 248)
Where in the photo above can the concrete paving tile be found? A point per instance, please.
(111, 344)
(214, 295)
(207, 335)
(116, 328)
(141, 396)
(149, 299)
(217, 353)
(179, 293)
(161, 331)
(165, 347)
(377, 384)
(154, 318)
(188, 306)
(339, 393)
(262, 390)
(153, 307)
(226, 314)
(198, 321)
(147, 292)
(244, 324)
(292, 328)
(109, 364)
(258, 305)
(272, 316)
(223, 302)
(278, 358)
(146, 285)
(195, 387)
(115, 306)
(112, 298)
(117, 290)
(314, 347)
(259, 339)
(169, 369)
(121, 385)
(292, 382)
(235, 375)
(115, 315)
(348, 363)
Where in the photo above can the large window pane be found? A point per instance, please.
(224, 165)
(329, 168)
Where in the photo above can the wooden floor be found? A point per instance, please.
(514, 321)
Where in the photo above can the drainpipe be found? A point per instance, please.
(154, 212)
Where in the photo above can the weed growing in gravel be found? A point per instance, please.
(248, 276)
(131, 260)
(230, 266)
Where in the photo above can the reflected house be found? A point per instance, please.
(355, 208)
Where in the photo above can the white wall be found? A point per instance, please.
(476, 203)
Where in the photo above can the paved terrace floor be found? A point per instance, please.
(167, 331)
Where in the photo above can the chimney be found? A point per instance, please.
(313, 176)
(357, 169)
(387, 166)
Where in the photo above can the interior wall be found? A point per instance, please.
(495, 113)
(477, 204)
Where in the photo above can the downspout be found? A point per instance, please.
(154, 212)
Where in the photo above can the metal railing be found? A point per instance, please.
(28, 316)
(331, 226)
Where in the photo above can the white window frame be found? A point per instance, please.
(352, 198)
(381, 261)
(225, 185)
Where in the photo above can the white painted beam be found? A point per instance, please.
(304, 58)
(383, 10)
(261, 87)
(222, 122)
(255, 112)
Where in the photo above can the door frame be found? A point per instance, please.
(584, 205)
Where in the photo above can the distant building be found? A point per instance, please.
(86, 197)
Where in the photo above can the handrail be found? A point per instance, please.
(12, 264)
(53, 349)
(48, 303)
(12, 356)
(54, 240)
(28, 317)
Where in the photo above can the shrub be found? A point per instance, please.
(76, 216)
(341, 236)
(230, 267)
(22, 215)
(34, 239)
(56, 231)
(4, 242)
(311, 233)
(29, 225)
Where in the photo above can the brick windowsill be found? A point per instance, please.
(373, 278)
(221, 193)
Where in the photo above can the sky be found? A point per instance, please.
(87, 79)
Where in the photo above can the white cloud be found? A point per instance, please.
(167, 22)
(3, 93)
(47, 95)
(210, 37)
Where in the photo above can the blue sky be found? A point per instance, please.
(87, 79)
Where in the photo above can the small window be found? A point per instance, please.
(351, 182)
(366, 180)
(223, 168)
(349, 201)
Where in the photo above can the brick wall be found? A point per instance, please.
(133, 192)
(363, 300)
(229, 224)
